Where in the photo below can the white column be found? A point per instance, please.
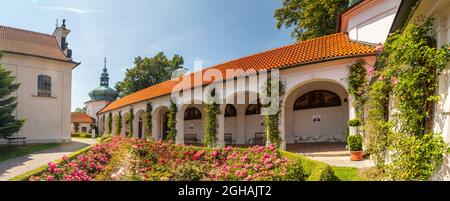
(221, 128)
(180, 127)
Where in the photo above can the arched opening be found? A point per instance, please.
(193, 124)
(254, 123)
(160, 116)
(315, 112)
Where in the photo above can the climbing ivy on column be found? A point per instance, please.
(172, 122)
(357, 81)
(130, 118)
(110, 123)
(118, 123)
(148, 121)
(412, 66)
(271, 110)
(211, 122)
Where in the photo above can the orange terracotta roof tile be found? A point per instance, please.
(19, 41)
(81, 117)
(314, 50)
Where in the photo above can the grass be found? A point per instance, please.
(347, 174)
(25, 176)
(7, 153)
(81, 135)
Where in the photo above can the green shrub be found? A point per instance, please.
(190, 171)
(355, 142)
(354, 122)
(311, 170)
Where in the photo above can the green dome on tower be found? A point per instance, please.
(103, 92)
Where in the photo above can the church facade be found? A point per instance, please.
(42, 64)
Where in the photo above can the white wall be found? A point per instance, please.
(93, 107)
(372, 22)
(47, 118)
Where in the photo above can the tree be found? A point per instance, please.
(81, 109)
(148, 72)
(211, 122)
(310, 18)
(8, 122)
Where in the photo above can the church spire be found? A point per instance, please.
(104, 79)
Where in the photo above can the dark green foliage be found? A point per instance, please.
(357, 81)
(148, 72)
(130, 118)
(8, 122)
(148, 121)
(354, 123)
(172, 122)
(110, 121)
(211, 122)
(355, 142)
(310, 18)
(118, 123)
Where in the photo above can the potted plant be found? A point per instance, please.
(355, 142)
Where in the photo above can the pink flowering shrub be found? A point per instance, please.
(82, 168)
(166, 161)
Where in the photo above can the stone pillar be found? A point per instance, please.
(180, 127)
(221, 127)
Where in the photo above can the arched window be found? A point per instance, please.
(253, 109)
(44, 86)
(192, 114)
(230, 111)
(317, 99)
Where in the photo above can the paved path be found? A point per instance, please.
(23, 164)
(344, 161)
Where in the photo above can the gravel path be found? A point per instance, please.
(344, 161)
(23, 164)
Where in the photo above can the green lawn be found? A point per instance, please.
(13, 152)
(347, 174)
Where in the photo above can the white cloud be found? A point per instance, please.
(68, 9)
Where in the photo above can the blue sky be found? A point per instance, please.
(211, 31)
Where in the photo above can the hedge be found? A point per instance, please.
(312, 170)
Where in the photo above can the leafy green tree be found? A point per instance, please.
(211, 122)
(81, 109)
(148, 72)
(8, 122)
(310, 18)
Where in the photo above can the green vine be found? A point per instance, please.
(110, 120)
(271, 114)
(103, 124)
(148, 121)
(118, 123)
(211, 122)
(412, 66)
(357, 80)
(172, 122)
(129, 122)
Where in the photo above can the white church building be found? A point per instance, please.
(42, 64)
(315, 107)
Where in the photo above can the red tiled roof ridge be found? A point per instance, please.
(284, 46)
(81, 117)
(29, 31)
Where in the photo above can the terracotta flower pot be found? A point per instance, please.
(356, 155)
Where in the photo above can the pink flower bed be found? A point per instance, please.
(167, 161)
(83, 167)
